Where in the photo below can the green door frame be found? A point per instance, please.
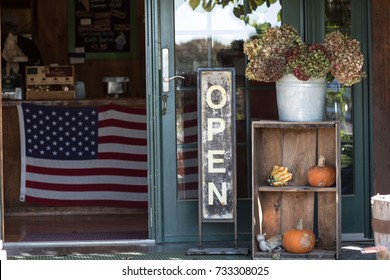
(152, 59)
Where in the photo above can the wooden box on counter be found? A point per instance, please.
(50, 82)
(297, 146)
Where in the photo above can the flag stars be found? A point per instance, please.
(60, 133)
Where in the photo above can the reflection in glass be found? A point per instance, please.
(213, 38)
(339, 99)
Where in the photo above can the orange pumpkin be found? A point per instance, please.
(321, 175)
(299, 241)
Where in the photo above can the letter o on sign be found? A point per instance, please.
(208, 97)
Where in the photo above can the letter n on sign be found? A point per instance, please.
(217, 144)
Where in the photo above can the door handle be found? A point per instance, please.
(165, 70)
(167, 80)
(164, 100)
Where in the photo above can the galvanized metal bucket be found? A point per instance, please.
(301, 100)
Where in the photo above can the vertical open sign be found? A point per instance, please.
(217, 144)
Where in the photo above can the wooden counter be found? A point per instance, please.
(128, 102)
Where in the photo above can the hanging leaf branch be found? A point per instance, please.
(239, 10)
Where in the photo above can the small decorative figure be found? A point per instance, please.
(270, 244)
(10, 52)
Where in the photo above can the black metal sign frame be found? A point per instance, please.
(217, 153)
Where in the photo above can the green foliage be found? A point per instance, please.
(239, 10)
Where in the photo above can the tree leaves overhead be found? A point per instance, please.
(240, 11)
(194, 3)
(208, 5)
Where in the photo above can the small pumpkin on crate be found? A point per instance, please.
(321, 175)
(299, 240)
(279, 176)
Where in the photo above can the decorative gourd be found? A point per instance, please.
(299, 241)
(321, 175)
(279, 176)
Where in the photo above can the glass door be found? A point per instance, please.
(206, 34)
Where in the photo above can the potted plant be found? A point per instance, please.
(280, 55)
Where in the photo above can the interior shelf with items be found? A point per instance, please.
(277, 209)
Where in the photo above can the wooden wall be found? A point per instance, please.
(380, 76)
(51, 35)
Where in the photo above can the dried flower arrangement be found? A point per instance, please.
(280, 51)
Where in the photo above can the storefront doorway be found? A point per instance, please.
(192, 36)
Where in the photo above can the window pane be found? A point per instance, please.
(214, 38)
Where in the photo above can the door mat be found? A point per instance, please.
(83, 236)
(135, 256)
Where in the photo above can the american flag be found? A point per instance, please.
(187, 157)
(83, 156)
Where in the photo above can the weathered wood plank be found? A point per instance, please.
(327, 217)
(299, 153)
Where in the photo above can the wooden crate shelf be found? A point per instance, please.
(296, 145)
